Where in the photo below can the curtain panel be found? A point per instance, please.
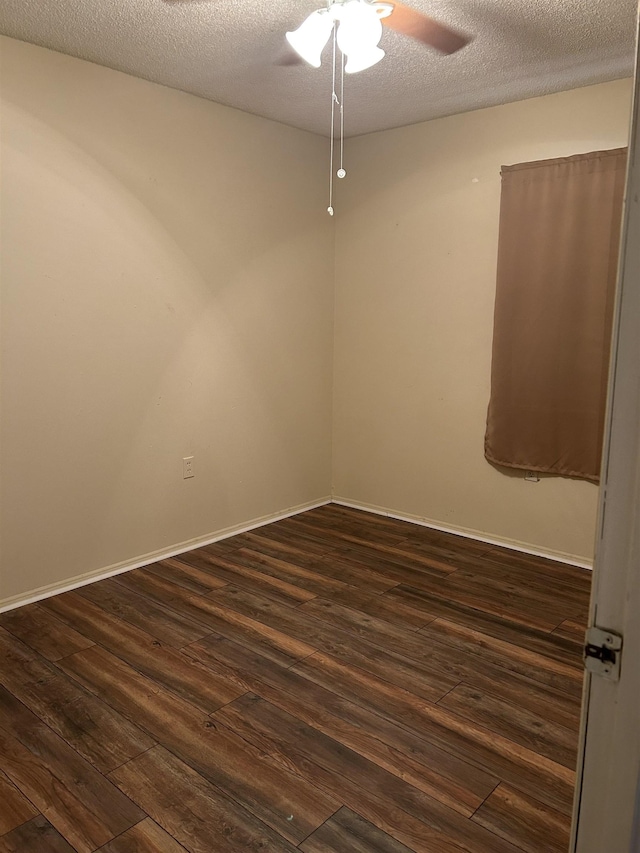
(557, 263)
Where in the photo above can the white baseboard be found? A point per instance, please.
(153, 557)
(226, 533)
(468, 533)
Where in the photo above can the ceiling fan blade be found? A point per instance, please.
(412, 23)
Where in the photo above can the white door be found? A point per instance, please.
(607, 811)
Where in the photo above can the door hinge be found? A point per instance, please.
(602, 653)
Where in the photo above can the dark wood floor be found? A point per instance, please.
(336, 682)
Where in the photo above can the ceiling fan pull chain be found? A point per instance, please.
(341, 171)
(334, 98)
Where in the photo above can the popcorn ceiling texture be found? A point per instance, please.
(227, 51)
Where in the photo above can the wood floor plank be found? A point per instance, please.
(345, 536)
(248, 578)
(40, 630)
(15, 809)
(184, 572)
(265, 639)
(535, 665)
(338, 680)
(495, 754)
(573, 629)
(393, 552)
(573, 596)
(101, 735)
(21, 663)
(535, 732)
(300, 576)
(229, 569)
(460, 552)
(490, 600)
(36, 836)
(434, 559)
(405, 755)
(281, 548)
(334, 564)
(542, 566)
(290, 806)
(317, 545)
(347, 568)
(348, 526)
(159, 589)
(395, 807)
(223, 546)
(503, 593)
(168, 666)
(394, 564)
(427, 681)
(145, 837)
(411, 532)
(379, 530)
(558, 689)
(382, 607)
(362, 624)
(406, 564)
(165, 624)
(501, 627)
(91, 727)
(347, 831)
(434, 562)
(82, 805)
(455, 551)
(406, 659)
(454, 665)
(526, 822)
(531, 592)
(192, 810)
(427, 540)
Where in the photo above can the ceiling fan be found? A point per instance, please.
(357, 27)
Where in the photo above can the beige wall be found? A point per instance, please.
(416, 245)
(167, 290)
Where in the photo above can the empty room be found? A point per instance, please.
(318, 373)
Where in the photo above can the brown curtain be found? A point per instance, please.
(557, 260)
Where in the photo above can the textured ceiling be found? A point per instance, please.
(227, 51)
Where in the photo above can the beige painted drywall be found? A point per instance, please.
(167, 291)
(416, 242)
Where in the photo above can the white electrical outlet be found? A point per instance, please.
(187, 467)
(532, 477)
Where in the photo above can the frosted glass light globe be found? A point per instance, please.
(311, 37)
(359, 32)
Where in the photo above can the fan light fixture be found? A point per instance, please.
(355, 28)
(358, 33)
